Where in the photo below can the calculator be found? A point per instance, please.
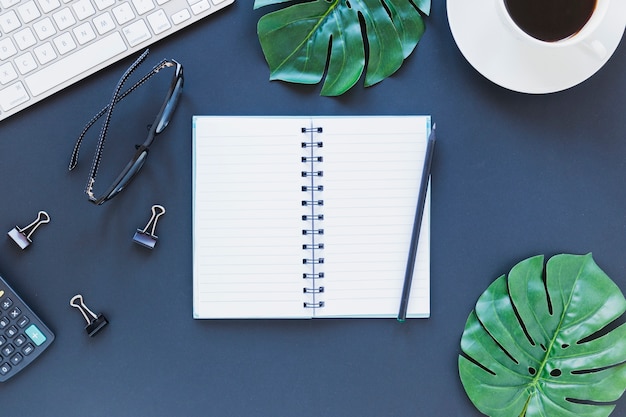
(23, 336)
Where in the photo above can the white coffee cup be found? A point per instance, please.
(584, 38)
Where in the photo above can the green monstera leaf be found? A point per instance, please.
(546, 343)
(303, 41)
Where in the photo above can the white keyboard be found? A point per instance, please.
(47, 45)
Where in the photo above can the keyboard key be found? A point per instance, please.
(7, 48)
(25, 63)
(64, 18)
(49, 5)
(104, 23)
(136, 33)
(75, 64)
(83, 9)
(25, 38)
(44, 28)
(200, 6)
(13, 96)
(181, 16)
(143, 6)
(28, 11)
(8, 3)
(9, 21)
(123, 13)
(103, 4)
(159, 22)
(84, 33)
(45, 53)
(65, 43)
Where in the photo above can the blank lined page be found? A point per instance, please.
(247, 248)
(372, 173)
(249, 229)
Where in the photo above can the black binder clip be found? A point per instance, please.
(147, 238)
(21, 236)
(94, 323)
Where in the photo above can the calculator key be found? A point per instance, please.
(11, 331)
(20, 340)
(3, 340)
(4, 322)
(35, 334)
(23, 321)
(8, 349)
(5, 368)
(7, 303)
(15, 313)
(28, 349)
(16, 359)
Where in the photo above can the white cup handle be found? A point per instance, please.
(596, 47)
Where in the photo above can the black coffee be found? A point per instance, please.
(550, 20)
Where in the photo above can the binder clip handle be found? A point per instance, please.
(22, 235)
(147, 236)
(157, 211)
(95, 323)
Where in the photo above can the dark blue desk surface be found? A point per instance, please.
(514, 175)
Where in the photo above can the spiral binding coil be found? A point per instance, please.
(312, 175)
(317, 290)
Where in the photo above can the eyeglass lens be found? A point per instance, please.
(170, 106)
(128, 174)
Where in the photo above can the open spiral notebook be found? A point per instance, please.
(302, 217)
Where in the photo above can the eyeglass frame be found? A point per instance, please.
(161, 121)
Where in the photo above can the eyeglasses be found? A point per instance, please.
(161, 121)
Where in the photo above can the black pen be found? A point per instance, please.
(417, 225)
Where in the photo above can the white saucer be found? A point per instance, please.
(501, 57)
